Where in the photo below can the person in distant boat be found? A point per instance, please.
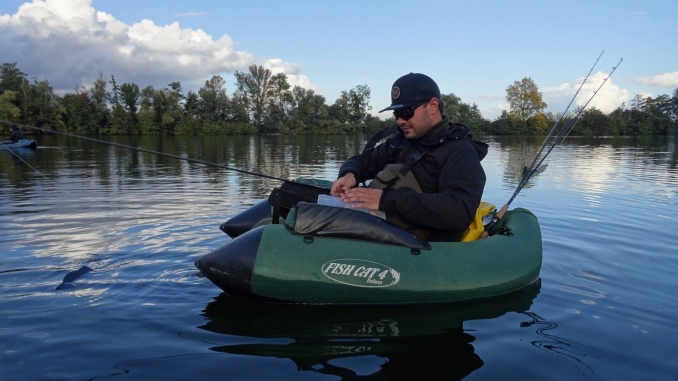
(14, 135)
(427, 178)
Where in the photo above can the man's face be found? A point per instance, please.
(420, 123)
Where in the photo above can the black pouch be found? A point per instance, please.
(291, 193)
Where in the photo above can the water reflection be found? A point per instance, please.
(571, 351)
(592, 291)
(597, 166)
(596, 163)
(345, 341)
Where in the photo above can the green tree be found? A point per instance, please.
(618, 121)
(146, 124)
(524, 99)
(638, 102)
(501, 125)
(115, 91)
(308, 112)
(349, 112)
(537, 124)
(659, 113)
(460, 112)
(176, 88)
(99, 93)
(80, 114)
(42, 107)
(592, 122)
(164, 105)
(279, 104)
(146, 96)
(256, 89)
(281, 94)
(238, 110)
(120, 122)
(639, 120)
(174, 114)
(191, 104)
(212, 104)
(359, 104)
(129, 98)
(8, 111)
(11, 78)
(99, 96)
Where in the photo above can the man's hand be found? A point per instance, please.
(367, 198)
(343, 184)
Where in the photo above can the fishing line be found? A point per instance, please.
(198, 161)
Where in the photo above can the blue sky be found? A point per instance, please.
(474, 49)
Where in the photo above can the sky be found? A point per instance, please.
(474, 49)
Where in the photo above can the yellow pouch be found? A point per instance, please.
(476, 228)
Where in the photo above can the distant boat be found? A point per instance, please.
(23, 143)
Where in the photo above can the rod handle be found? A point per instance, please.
(501, 212)
(496, 218)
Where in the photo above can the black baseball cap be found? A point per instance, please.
(411, 89)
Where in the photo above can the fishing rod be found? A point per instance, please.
(570, 126)
(535, 167)
(198, 161)
(541, 149)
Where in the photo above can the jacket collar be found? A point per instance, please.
(444, 131)
(437, 132)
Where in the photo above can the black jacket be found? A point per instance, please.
(449, 174)
(15, 135)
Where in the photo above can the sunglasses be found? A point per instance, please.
(407, 113)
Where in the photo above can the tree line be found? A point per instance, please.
(262, 103)
(266, 103)
(643, 116)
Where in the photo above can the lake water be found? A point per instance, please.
(606, 308)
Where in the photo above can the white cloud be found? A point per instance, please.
(190, 14)
(560, 90)
(292, 70)
(665, 80)
(69, 42)
(277, 65)
(487, 97)
(608, 98)
(496, 111)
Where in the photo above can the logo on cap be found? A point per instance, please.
(395, 92)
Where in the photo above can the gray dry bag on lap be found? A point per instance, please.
(327, 221)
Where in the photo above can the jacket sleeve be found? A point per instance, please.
(366, 165)
(460, 188)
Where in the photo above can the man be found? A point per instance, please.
(427, 178)
(14, 135)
